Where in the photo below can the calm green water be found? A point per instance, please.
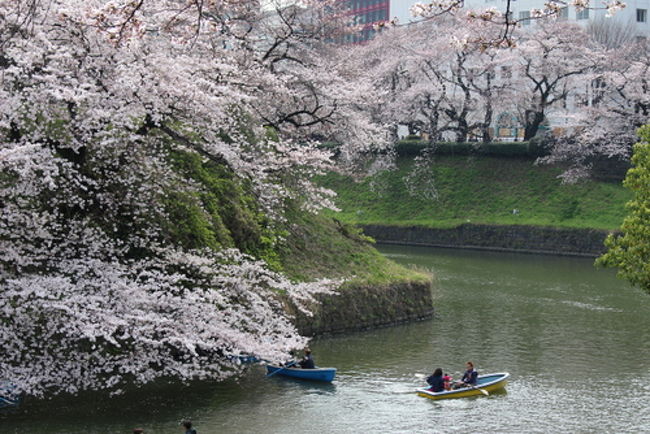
(576, 341)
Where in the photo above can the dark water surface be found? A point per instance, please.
(575, 340)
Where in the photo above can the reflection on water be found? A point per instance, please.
(575, 340)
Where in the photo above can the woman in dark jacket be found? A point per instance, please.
(435, 381)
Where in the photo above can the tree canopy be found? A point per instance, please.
(435, 78)
(99, 282)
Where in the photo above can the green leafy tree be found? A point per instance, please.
(630, 250)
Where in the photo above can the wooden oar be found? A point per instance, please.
(483, 391)
(281, 369)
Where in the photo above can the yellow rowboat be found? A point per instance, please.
(484, 385)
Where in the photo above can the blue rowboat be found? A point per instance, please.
(316, 374)
(484, 385)
(9, 397)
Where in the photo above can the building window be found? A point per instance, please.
(582, 15)
(641, 15)
(524, 18)
(563, 14)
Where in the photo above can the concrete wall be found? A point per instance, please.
(367, 306)
(525, 239)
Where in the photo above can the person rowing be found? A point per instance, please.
(469, 379)
(307, 362)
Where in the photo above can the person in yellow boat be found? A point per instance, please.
(436, 381)
(446, 378)
(470, 377)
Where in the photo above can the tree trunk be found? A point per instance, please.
(392, 134)
(463, 131)
(485, 128)
(533, 121)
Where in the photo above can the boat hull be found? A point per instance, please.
(489, 383)
(9, 398)
(317, 374)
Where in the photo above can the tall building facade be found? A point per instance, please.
(366, 13)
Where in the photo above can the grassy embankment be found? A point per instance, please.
(481, 190)
(305, 247)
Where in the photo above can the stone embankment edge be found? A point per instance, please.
(366, 306)
(515, 238)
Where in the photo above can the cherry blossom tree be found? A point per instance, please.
(608, 109)
(503, 19)
(432, 78)
(97, 97)
(552, 61)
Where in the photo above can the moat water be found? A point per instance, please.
(575, 339)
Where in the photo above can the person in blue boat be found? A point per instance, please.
(470, 377)
(307, 362)
(187, 424)
(436, 381)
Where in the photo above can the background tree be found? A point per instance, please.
(504, 20)
(609, 106)
(611, 34)
(553, 59)
(430, 78)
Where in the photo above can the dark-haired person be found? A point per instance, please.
(307, 362)
(187, 424)
(436, 381)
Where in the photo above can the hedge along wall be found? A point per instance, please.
(413, 148)
(525, 239)
(361, 306)
(604, 168)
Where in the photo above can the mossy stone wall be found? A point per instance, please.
(526, 239)
(361, 306)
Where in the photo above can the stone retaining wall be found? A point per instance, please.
(525, 239)
(367, 306)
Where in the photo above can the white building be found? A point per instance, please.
(636, 12)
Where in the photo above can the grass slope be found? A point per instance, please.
(481, 190)
(319, 246)
(305, 247)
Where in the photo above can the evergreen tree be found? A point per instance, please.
(630, 251)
